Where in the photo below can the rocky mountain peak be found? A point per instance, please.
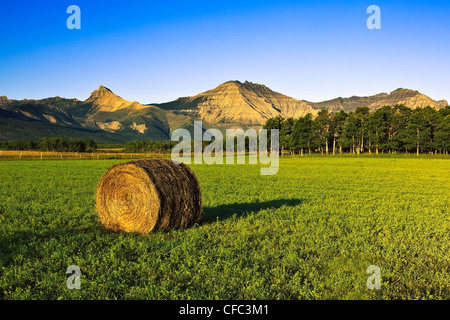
(4, 100)
(237, 84)
(101, 93)
(106, 100)
(229, 85)
(103, 88)
(402, 91)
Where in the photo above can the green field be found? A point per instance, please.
(308, 232)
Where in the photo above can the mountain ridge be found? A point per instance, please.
(231, 104)
(410, 98)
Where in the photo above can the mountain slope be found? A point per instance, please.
(104, 115)
(235, 102)
(12, 127)
(111, 113)
(410, 98)
(45, 113)
(104, 100)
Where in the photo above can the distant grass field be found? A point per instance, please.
(308, 232)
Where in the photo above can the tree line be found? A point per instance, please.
(142, 146)
(385, 130)
(51, 144)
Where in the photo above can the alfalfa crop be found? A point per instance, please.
(146, 195)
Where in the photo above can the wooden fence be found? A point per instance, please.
(45, 155)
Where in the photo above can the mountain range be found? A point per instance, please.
(108, 118)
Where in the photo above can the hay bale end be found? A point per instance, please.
(148, 195)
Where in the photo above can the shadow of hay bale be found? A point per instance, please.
(226, 211)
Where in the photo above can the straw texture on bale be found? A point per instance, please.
(146, 195)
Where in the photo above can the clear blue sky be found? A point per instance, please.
(156, 51)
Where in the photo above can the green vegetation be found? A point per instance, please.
(16, 129)
(308, 232)
(51, 144)
(388, 129)
(149, 146)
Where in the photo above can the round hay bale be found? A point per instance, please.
(146, 195)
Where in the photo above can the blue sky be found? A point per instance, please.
(157, 51)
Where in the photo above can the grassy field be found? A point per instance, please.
(308, 232)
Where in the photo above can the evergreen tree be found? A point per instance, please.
(443, 135)
(337, 128)
(323, 121)
(303, 134)
(285, 134)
